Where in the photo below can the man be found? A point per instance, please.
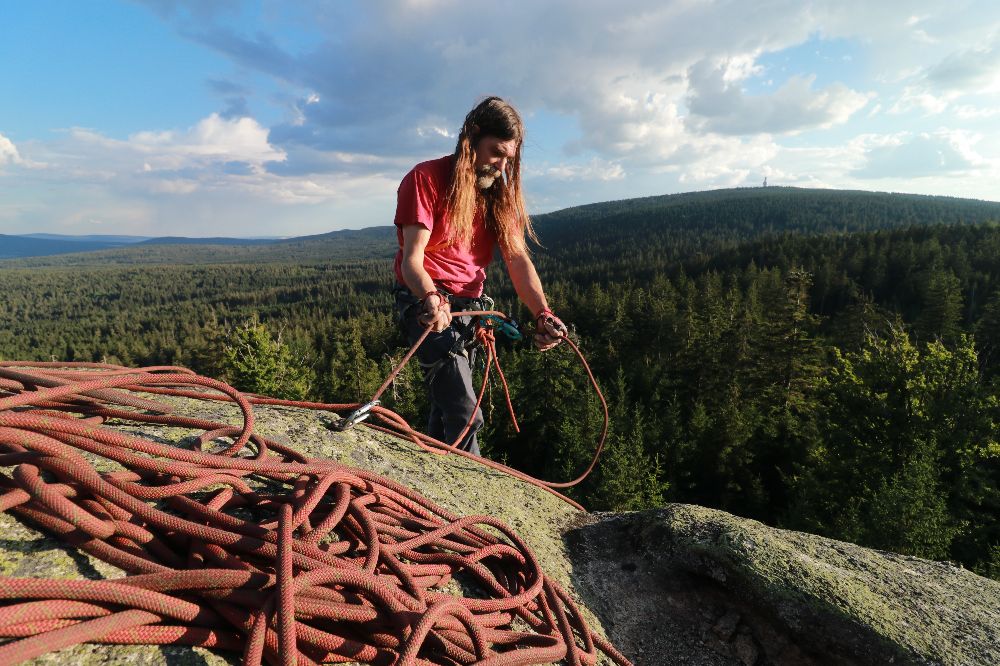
(451, 214)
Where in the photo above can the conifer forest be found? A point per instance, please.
(827, 361)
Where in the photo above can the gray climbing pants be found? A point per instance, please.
(446, 359)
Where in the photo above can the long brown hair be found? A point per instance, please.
(503, 203)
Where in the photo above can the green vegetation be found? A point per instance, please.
(820, 360)
(259, 363)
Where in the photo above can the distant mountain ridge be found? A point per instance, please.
(27, 246)
(738, 213)
(96, 238)
(219, 240)
(12, 247)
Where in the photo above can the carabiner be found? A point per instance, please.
(356, 417)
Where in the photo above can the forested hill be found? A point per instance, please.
(690, 227)
(24, 246)
(371, 243)
(680, 225)
(780, 209)
(820, 360)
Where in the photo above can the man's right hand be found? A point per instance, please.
(436, 313)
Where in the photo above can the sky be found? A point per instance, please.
(268, 118)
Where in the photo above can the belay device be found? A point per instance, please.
(505, 325)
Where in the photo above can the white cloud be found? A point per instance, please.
(718, 104)
(435, 130)
(213, 140)
(971, 70)
(204, 201)
(8, 152)
(935, 87)
(917, 98)
(723, 161)
(193, 181)
(955, 162)
(969, 112)
(176, 161)
(632, 122)
(595, 169)
(174, 186)
(621, 73)
(906, 155)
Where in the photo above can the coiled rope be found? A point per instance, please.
(254, 548)
(484, 335)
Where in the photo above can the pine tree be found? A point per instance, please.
(782, 383)
(353, 375)
(988, 336)
(941, 315)
(860, 318)
(206, 353)
(256, 362)
(904, 432)
(628, 479)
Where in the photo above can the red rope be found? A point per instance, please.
(254, 548)
(484, 335)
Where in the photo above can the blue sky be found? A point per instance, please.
(224, 117)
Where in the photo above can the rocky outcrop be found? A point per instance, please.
(681, 585)
(689, 585)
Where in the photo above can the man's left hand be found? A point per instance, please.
(549, 330)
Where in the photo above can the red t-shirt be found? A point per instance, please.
(421, 199)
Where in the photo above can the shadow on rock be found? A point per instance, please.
(688, 585)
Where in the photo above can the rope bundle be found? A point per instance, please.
(252, 546)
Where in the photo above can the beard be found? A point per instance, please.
(486, 175)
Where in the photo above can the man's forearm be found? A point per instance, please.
(526, 283)
(417, 279)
